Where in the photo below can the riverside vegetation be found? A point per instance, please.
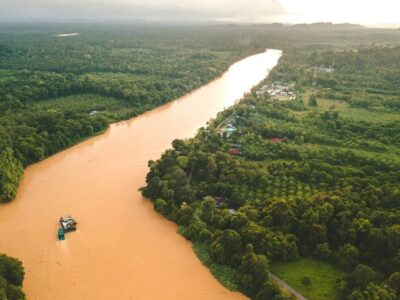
(316, 181)
(49, 85)
(11, 278)
(56, 91)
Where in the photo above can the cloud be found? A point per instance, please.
(243, 10)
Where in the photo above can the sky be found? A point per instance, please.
(367, 12)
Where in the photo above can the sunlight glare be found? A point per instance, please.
(340, 11)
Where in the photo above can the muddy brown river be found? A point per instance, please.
(122, 249)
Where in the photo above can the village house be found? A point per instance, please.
(277, 139)
(278, 90)
(234, 151)
(329, 69)
(228, 130)
(219, 201)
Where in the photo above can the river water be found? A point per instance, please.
(122, 249)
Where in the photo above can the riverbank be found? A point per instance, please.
(51, 99)
(281, 181)
(122, 248)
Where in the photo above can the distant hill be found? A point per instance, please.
(328, 26)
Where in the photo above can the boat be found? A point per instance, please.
(61, 234)
(68, 223)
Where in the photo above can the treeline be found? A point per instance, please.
(140, 66)
(11, 278)
(50, 84)
(365, 77)
(305, 182)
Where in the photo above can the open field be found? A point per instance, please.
(323, 277)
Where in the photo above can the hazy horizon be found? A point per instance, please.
(369, 13)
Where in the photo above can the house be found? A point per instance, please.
(277, 139)
(278, 90)
(219, 201)
(229, 130)
(234, 151)
(329, 69)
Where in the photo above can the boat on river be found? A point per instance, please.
(61, 234)
(68, 223)
(98, 170)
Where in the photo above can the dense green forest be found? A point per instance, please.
(56, 91)
(11, 278)
(49, 84)
(367, 77)
(313, 180)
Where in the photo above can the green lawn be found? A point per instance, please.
(338, 105)
(323, 277)
(357, 114)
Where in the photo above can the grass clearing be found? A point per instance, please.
(338, 105)
(346, 111)
(323, 278)
(82, 103)
(359, 114)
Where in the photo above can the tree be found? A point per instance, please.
(362, 276)
(347, 256)
(14, 292)
(10, 175)
(322, 251)
(152, 189)
(394, 282)
(184, 215)
(253, 271)
(11, 278)
(253, 233)
(182, 161)
(12, 270)
(226, 247)
(162, 207)
(208, 209)
(269, 291)
(305, 280)
(372, 292)
(312, 101)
